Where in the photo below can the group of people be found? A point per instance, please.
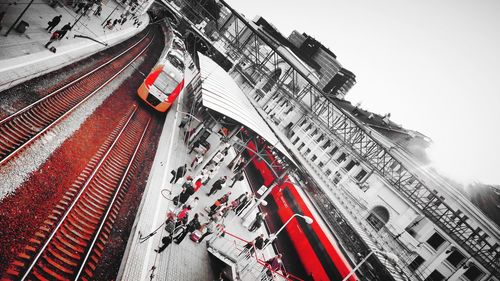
(177, 226)
(58, 34)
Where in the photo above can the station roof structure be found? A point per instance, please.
(221, 94)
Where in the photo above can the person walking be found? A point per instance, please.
(55, 36)
(249, 248)
(186, 192)
(183, 216)
(197, 184)
(179, 173)
(193, 225)
(53, 23)
(239, 167)
(238, 177)
(81, 5)
(169, 228)
(244, 203)
(65, 29)
(257, 223)
(218, 185)
(218, 203)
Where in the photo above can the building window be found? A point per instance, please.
(295, 141)
(307, 151)
(341, 158)
(360, 175)
(309, 127)
(321, 165)
(416, 263)
(314, 132)
(435, 276)
(473, 273)
(327, 144)
(314, 157)
(332, 152)
(328, 172)
(435, 241)
(350, 165)
(292, 133)
(321, 137)
(378, 217)
(302, 123)
(455, 258)
(301, 146)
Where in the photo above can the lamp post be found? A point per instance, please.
(388, 255)
(273, 236)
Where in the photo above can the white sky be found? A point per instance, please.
(434, 65)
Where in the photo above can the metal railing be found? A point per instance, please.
(246, 262)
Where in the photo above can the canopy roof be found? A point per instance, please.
(221, 94)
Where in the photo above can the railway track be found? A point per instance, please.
(71, 240)
(20, 129)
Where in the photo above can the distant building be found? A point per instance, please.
(335, 79)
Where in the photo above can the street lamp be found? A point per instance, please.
(273, 236)
(388, 255)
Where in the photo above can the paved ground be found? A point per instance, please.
(187, 261)
(23, 55)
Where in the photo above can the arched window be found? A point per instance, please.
(378, 217)
(272, 80)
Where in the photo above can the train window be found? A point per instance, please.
(435, 241)
(165, 83)
(175, 61)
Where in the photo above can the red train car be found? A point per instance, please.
(165, 82)
(319, 257)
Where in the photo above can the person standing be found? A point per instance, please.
(274, 264)
(192, 202)
(238, 177)
(53, 23)
(244, 203)
(193, 225)
(179, 173)
(257, 223)
(169, 228)
(218, 185)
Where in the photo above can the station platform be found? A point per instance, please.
(23, 55)
(187, 260)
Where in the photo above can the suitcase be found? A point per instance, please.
(195, 236)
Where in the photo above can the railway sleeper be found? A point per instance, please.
(102, 190)
(104, 180)
(82, 227)
(88, 200)
(40, 120)
(57, 254)
(10, 140)
(30, 125)
(14, 131)
(104, 187)
(57, 265)
(100, 193)
(35, 241)
(71, 250)
(77, 233)
(73, 239)
(80, 213)
(90, 221)
(47, 273)
(81, 221)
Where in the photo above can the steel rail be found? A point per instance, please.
(49, 126)
(111, 204)
(84, 187)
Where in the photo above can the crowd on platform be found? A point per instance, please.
(84, 8)
(178, 225)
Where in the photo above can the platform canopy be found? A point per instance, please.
(220, 93)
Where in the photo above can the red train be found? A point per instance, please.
(319, 257)
(165, 82)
